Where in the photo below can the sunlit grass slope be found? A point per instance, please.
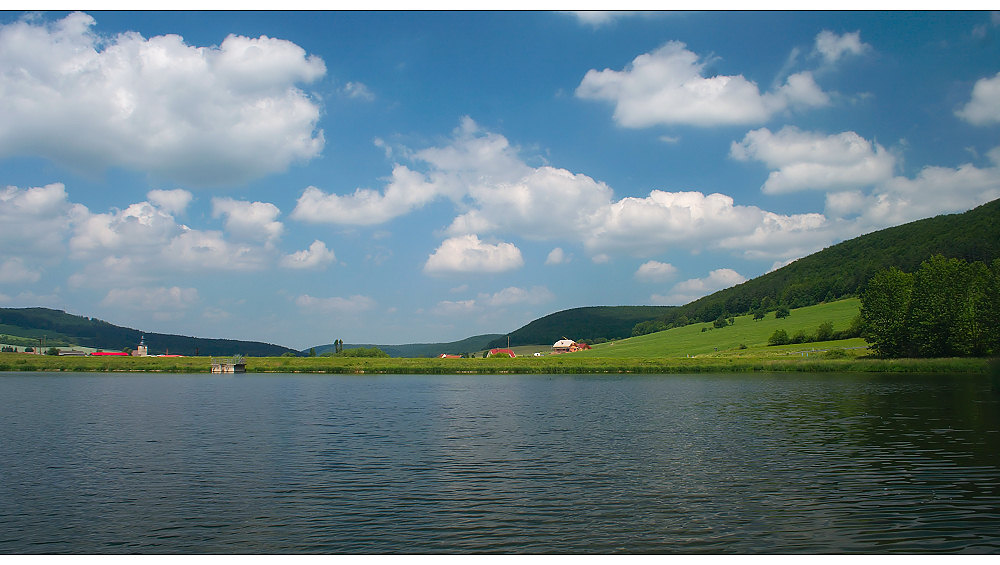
(691, 340)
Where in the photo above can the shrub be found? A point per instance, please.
(779, 337)
(825, 331)
(782, 312)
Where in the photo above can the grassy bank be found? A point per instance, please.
(570, 363)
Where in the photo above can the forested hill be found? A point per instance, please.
(843, 269)
(62, 329)
(838, 271)
(587, 323)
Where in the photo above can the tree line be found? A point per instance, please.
(946, 308)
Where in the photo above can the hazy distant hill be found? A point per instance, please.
(60, 328)
(467, 345)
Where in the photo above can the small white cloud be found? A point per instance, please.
(668, 86)
(832, 46)
(467, 254)
(655, 271)
(693, 289)
(984, 107)
(250, 221)
(557, 257)
(359, 91)
(317, 255)
(354, 304)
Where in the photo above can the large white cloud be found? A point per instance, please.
(984, 106)
(693, 289)
(668, 86)
(546, 203)
(935, 190)
(814, 161)
(473, 161)
(202, 115)
(665, 220)
(407, 190)
(467, 254)
(35, 221)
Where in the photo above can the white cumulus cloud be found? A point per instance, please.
(467, 254)
(693, 289)
(201, 115)
(655, 271)
(832, 46)
(814, 161)
(316, 255)
(984, 106)
(557, 257)
(668, 86)
(250, 221)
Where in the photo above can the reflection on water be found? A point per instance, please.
(532, 464)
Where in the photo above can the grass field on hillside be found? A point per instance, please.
(691, 340)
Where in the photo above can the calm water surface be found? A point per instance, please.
(93, 463)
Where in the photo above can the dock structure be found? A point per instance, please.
(234, 364)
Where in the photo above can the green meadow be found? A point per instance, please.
(703, 339)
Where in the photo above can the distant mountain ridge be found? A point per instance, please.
(60, 328)
(467, 345)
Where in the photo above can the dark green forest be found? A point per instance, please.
(591, 323)
(946, 308)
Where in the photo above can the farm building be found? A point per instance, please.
(568, 346)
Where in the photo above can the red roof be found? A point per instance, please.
(107, 353)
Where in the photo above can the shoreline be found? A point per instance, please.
(521, 365)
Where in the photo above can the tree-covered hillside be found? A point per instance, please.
(60, 328)
(838, 271)
(844, 269)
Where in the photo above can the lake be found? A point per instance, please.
(729, 463)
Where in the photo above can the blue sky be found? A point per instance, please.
(396, 177)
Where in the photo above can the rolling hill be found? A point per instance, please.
(59, 328)
(839, 271)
